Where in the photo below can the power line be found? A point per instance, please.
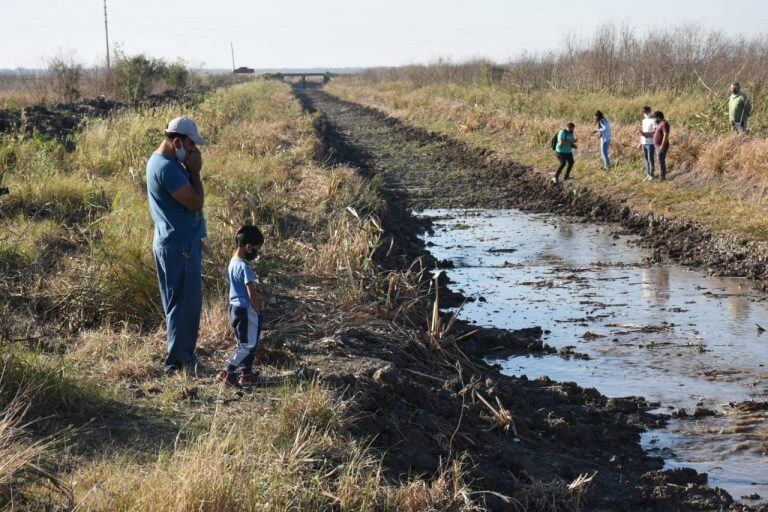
(106, 32)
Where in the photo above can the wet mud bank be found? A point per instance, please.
(528, 440)
(677, 337)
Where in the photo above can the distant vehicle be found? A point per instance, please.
(243, 70)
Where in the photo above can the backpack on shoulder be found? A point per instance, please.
(553, 142)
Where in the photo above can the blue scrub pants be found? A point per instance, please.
(179, 273)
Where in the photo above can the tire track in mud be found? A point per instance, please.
(563, 430)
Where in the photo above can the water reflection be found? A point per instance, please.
(655, 286)
(672, 335)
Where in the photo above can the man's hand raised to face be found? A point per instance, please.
(191, 195)
(193, 162)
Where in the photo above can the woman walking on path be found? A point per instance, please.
(604, 131)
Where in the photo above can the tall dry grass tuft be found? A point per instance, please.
(539, 496)
(25, 462)
(737, 157)
(448, 491)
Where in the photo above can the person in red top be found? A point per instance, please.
(661, 141)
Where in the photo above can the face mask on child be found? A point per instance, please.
(251, 255)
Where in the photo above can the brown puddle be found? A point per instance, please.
(677, 337)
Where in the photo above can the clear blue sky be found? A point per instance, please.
(334, 33)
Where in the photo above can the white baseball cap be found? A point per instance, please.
(186, 126)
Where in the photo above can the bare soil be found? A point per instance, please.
(59, 120)
(422, 407)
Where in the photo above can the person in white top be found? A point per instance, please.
(649, 151)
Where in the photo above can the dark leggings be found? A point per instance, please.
(565, 158)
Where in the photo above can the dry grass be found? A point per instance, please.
(553, 496)
(617, 59)
(117, 355)
(290, 458)
(25, 462)
(281, 448)
(23, 88)
(241, 463)
(261, 155)
(446, 492)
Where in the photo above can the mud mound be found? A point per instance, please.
(59, 120)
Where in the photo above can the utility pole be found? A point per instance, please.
(232, 48)
(106, 31)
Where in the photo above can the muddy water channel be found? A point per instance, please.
(682, 339)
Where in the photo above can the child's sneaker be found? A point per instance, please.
(228, 379)
(249, 379)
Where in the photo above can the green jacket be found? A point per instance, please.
(565, 141)
(739, 107)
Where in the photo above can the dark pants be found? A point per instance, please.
(565, 159)
(247, 325)
(662, 152)
(740, 126)
(179, 273)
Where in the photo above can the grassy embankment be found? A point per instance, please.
(86, 419)
(717, 179)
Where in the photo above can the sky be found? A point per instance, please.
(336, 33)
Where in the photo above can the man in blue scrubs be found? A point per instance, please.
(176, 199)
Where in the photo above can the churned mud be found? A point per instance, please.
(421, 407)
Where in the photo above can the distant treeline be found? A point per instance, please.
(617, 58)
(130, 78)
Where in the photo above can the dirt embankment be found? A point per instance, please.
(527, 439)
(57, 121)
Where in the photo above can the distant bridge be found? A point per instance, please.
(325, 76)
(303, 76)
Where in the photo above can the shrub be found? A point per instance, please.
(138, 75)
(176, 75)
(65, 73)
